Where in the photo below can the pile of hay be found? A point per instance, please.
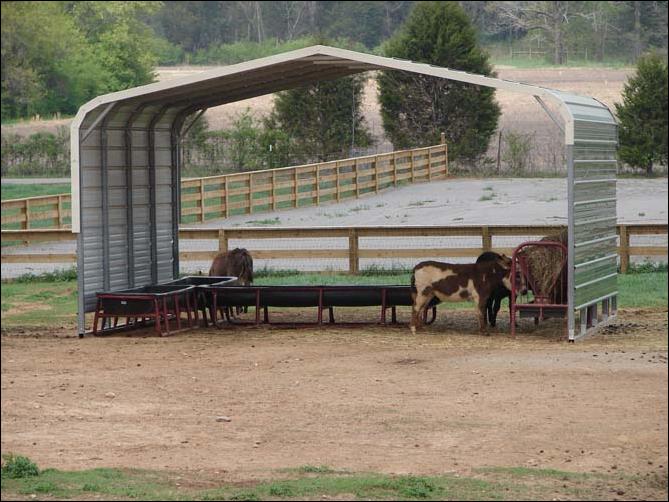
(545, 265)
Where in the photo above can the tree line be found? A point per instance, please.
(56, 55)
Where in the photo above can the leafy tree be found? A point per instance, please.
(324, 118)
(642, 115)
(47, 66)
(120, 38)
(415, 108)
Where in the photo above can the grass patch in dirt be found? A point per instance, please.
(38, 303)
(314, 483)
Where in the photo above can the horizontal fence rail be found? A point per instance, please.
(48, 211)
(227, 195)
(352, 252)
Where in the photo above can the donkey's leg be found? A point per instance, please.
(420, 302)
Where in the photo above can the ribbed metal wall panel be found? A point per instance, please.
(594, 204)
(126, 258)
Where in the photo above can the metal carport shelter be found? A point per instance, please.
(126, 170)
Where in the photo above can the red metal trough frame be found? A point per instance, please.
(160, 310)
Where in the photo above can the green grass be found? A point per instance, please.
(643, 290)
(23, 191)
(39, 303)
(267, 221)
(316, 483)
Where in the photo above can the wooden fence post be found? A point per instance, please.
(353, 255)
(202, 199)
(446, 158)
(442, 138)
(295, 179)
(26, 223)
(357, 179)
(318, 184)
(486, 238)
(226, 196)
(411, 165)
(250, 193)
(60, 211)
(337, 177)
(376, 173)
(273, 190)
(429, 164)
(394, 170)
(222, 241)
(624, 249)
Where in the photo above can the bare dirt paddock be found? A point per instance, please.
(368, 399)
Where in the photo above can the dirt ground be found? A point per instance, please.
(370, 399)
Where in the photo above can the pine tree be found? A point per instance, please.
(417, 108)
(642, 115)
(323, 119)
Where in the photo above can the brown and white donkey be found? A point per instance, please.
(455, 283)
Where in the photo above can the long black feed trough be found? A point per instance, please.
(160, 304)
(322, 297)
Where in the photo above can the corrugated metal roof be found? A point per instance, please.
(284, 71)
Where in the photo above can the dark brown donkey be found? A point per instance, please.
(237, 263)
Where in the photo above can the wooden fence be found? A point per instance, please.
(353, 252)
(48, 211)
(260, 191)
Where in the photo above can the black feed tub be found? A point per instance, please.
(143, 304)
(155, 304)
(321, 297)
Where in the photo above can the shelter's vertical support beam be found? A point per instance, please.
(151, 140)
(176, 200)
(152, 202)
(130, 210)
(104, 180)
(130, 231)
(81, 307)
(571, 248)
